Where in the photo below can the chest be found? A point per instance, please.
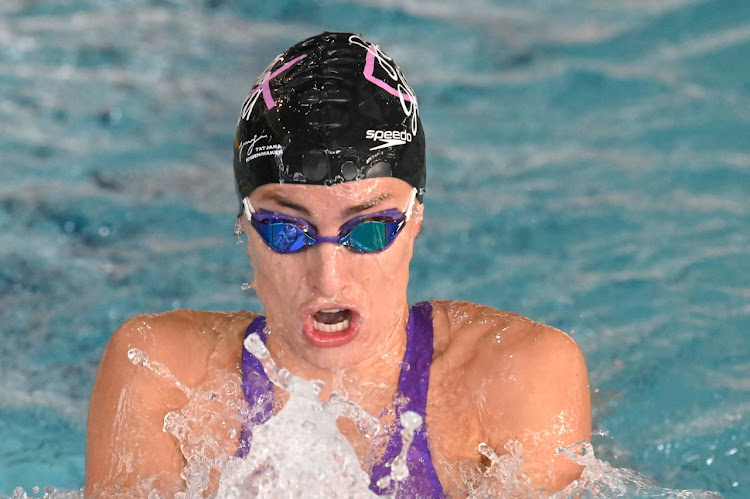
(453, 421)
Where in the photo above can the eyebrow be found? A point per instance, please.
(352, 210)
(281, 200)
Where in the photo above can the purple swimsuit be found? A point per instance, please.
(413, 383)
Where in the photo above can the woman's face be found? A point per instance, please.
(327, 304)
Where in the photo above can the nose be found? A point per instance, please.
(328, 271)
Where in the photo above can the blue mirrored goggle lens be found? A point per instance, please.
(284, 237)
(370, 236)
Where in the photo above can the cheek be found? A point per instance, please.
(274, 275)
(391, 271)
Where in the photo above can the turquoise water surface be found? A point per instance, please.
(589, 166)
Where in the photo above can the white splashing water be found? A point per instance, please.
(300, 452)
(505, 478)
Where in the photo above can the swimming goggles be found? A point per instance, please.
(371, 233)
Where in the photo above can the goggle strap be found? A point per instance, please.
(249, 210)
(410, 206)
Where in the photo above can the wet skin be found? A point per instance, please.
(495, 376)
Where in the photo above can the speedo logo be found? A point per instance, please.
(388, 138)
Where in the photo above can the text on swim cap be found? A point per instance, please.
(388, 137)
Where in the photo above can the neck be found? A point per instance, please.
(367, 372)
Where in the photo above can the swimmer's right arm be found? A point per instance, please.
(125, 442)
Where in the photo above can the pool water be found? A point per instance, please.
(589, 166)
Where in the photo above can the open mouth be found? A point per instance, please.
(331, 327)
(333, 320)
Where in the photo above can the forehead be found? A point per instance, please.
(343, 194)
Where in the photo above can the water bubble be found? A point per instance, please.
(487, 451)
(138, 357)
(283, 378)
(410, 420)
(245, 286)
(103, 230)
(384, 482)
(400, 400)
(141, 359)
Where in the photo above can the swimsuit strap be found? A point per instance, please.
(256, 386)
(413, 384)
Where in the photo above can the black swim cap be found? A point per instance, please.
(331, 109)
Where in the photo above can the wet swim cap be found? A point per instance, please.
(331, 109)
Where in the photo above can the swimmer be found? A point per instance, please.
(329, 164)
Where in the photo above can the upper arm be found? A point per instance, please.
(125, 442)
(539, 396)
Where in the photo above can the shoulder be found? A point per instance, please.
(526, 372)
(144, 372)
(491, 334)
(181, 339)
(528, 381)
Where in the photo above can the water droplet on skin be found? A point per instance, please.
(410, 421)
(138, 358)
(487, 451)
